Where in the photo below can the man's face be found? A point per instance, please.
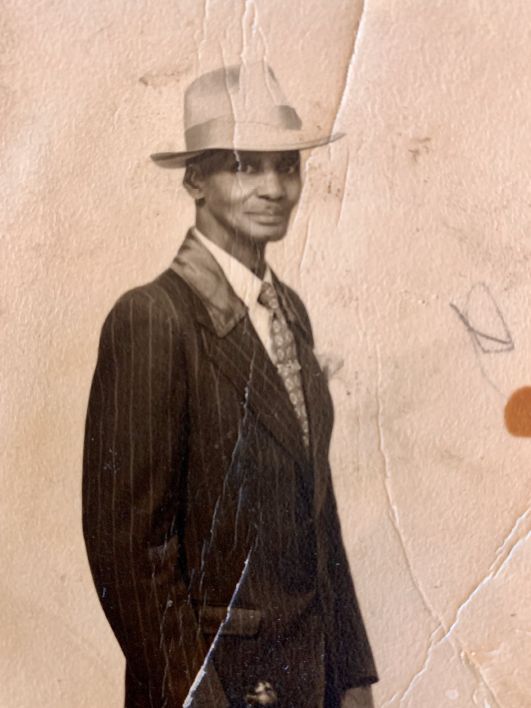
(250, 195)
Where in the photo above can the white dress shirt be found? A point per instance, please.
(247, 287)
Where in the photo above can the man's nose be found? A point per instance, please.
(271, 185)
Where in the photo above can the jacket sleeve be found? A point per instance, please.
(349, 659)
(134, 481)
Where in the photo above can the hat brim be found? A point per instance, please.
(176, 160)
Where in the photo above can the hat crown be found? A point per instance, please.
(239, 95)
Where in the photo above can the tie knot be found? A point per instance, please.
(268, 297)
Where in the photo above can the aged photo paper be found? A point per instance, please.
(396, 278)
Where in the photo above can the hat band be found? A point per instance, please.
(223, 131)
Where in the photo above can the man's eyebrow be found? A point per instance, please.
(248, 156)
(288, 159)
(291, 156)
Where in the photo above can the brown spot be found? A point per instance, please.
(163, 77)
(518, 413)
(421, 146)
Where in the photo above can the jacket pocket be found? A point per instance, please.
(237, 621)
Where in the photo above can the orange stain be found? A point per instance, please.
(518, 413)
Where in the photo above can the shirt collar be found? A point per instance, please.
(244, 282)
(200, 269)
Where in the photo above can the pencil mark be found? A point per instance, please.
(486, 326)
(484, 321)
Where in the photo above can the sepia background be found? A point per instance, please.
(426, 203)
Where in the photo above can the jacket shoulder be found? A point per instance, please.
(164, 298)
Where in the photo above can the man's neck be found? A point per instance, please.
(249, 253)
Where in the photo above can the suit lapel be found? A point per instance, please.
(318, 407)
(232, 344)
(318, 400)
(241, 357)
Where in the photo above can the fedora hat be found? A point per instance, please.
(240, 108)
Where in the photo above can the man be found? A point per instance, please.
(209, 514)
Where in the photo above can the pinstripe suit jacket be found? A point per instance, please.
(198, 492)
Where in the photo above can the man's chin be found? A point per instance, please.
(268, 234)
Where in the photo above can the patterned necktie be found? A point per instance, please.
(285, 357)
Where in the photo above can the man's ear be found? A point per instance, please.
(193, 182)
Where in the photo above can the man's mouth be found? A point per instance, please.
(267, 217)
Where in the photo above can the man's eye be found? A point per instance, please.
(288, 168)
(247, 168)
